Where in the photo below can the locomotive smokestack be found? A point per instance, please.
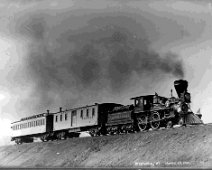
(180, 86)
(47, 111)
(60, 109)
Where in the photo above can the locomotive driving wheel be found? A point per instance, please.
(155, 120)
(143, 123)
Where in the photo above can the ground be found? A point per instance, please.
(178, 147)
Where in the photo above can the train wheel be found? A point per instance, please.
(44, 138)
(181, 122)
(18, 141)
(155, 120)
(169, 124)
(63, 135)
(142, 123)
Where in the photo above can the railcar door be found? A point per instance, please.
(74, 118)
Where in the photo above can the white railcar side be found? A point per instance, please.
(29, 127)
(76, 118)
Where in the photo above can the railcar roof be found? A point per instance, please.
(32, 117)
(146, 96)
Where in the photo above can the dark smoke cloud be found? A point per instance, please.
(68, 65)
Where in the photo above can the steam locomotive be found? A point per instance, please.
(149, 111)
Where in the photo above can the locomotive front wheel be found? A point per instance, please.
(169, 124)
(142, 123)
(155, 120)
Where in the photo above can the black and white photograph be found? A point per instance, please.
(106, 84)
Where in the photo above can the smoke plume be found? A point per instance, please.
(77, 58)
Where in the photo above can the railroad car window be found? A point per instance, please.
(28, 124)
(43, 121)
(65, 116)
(81, 114)
(93, 112)
(61, 117)
(136, 102)
(38, 122)
(87, 113)
(55, 118)
(145, 102)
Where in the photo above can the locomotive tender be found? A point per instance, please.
(150, 111)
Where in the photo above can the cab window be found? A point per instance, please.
(81, 115)
(87, 113)
(93, 112)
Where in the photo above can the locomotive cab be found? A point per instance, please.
(144, 103)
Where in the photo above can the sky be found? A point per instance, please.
(72, 53)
